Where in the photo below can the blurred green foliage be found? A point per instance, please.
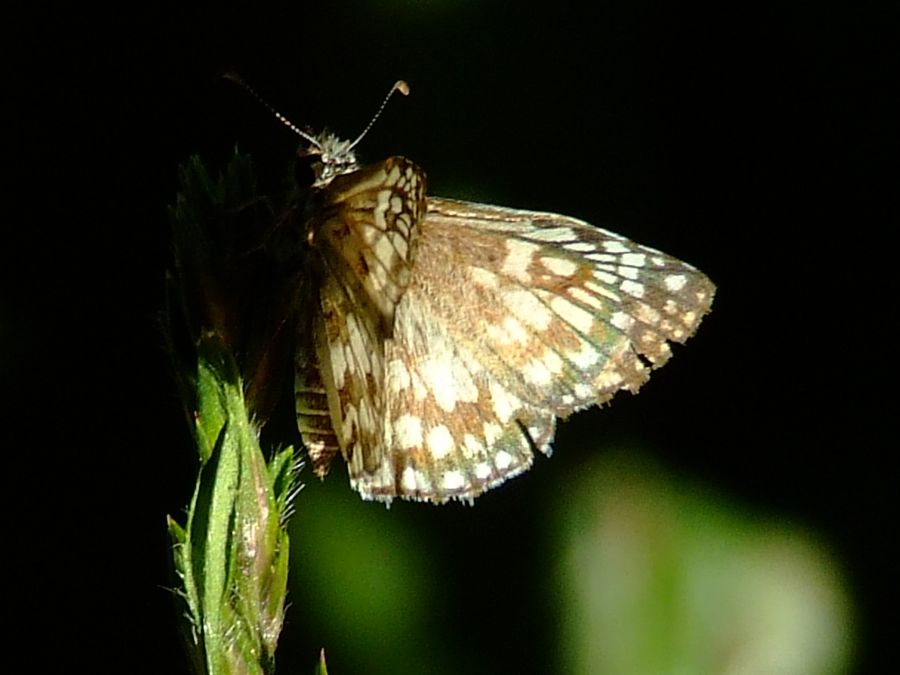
(640, 571)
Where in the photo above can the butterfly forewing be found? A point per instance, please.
(364, 229)
(592, 298)
(450, 336)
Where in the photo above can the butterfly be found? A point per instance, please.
(444, 338)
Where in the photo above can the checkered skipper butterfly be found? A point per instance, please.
(446, 337)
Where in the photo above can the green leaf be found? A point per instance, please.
(232, 556)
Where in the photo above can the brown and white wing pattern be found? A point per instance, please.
(452, 337)
(363, 231)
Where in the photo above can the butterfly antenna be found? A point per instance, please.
(281, 118)
(400, 86)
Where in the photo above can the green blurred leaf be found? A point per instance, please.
(660, 577)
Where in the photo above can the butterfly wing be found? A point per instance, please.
(586, 304)
(511, 319)
(364, 229)
(450, 340)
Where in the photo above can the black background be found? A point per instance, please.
(753, 141)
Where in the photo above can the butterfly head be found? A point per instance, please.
(329, 156)
(335, 155)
